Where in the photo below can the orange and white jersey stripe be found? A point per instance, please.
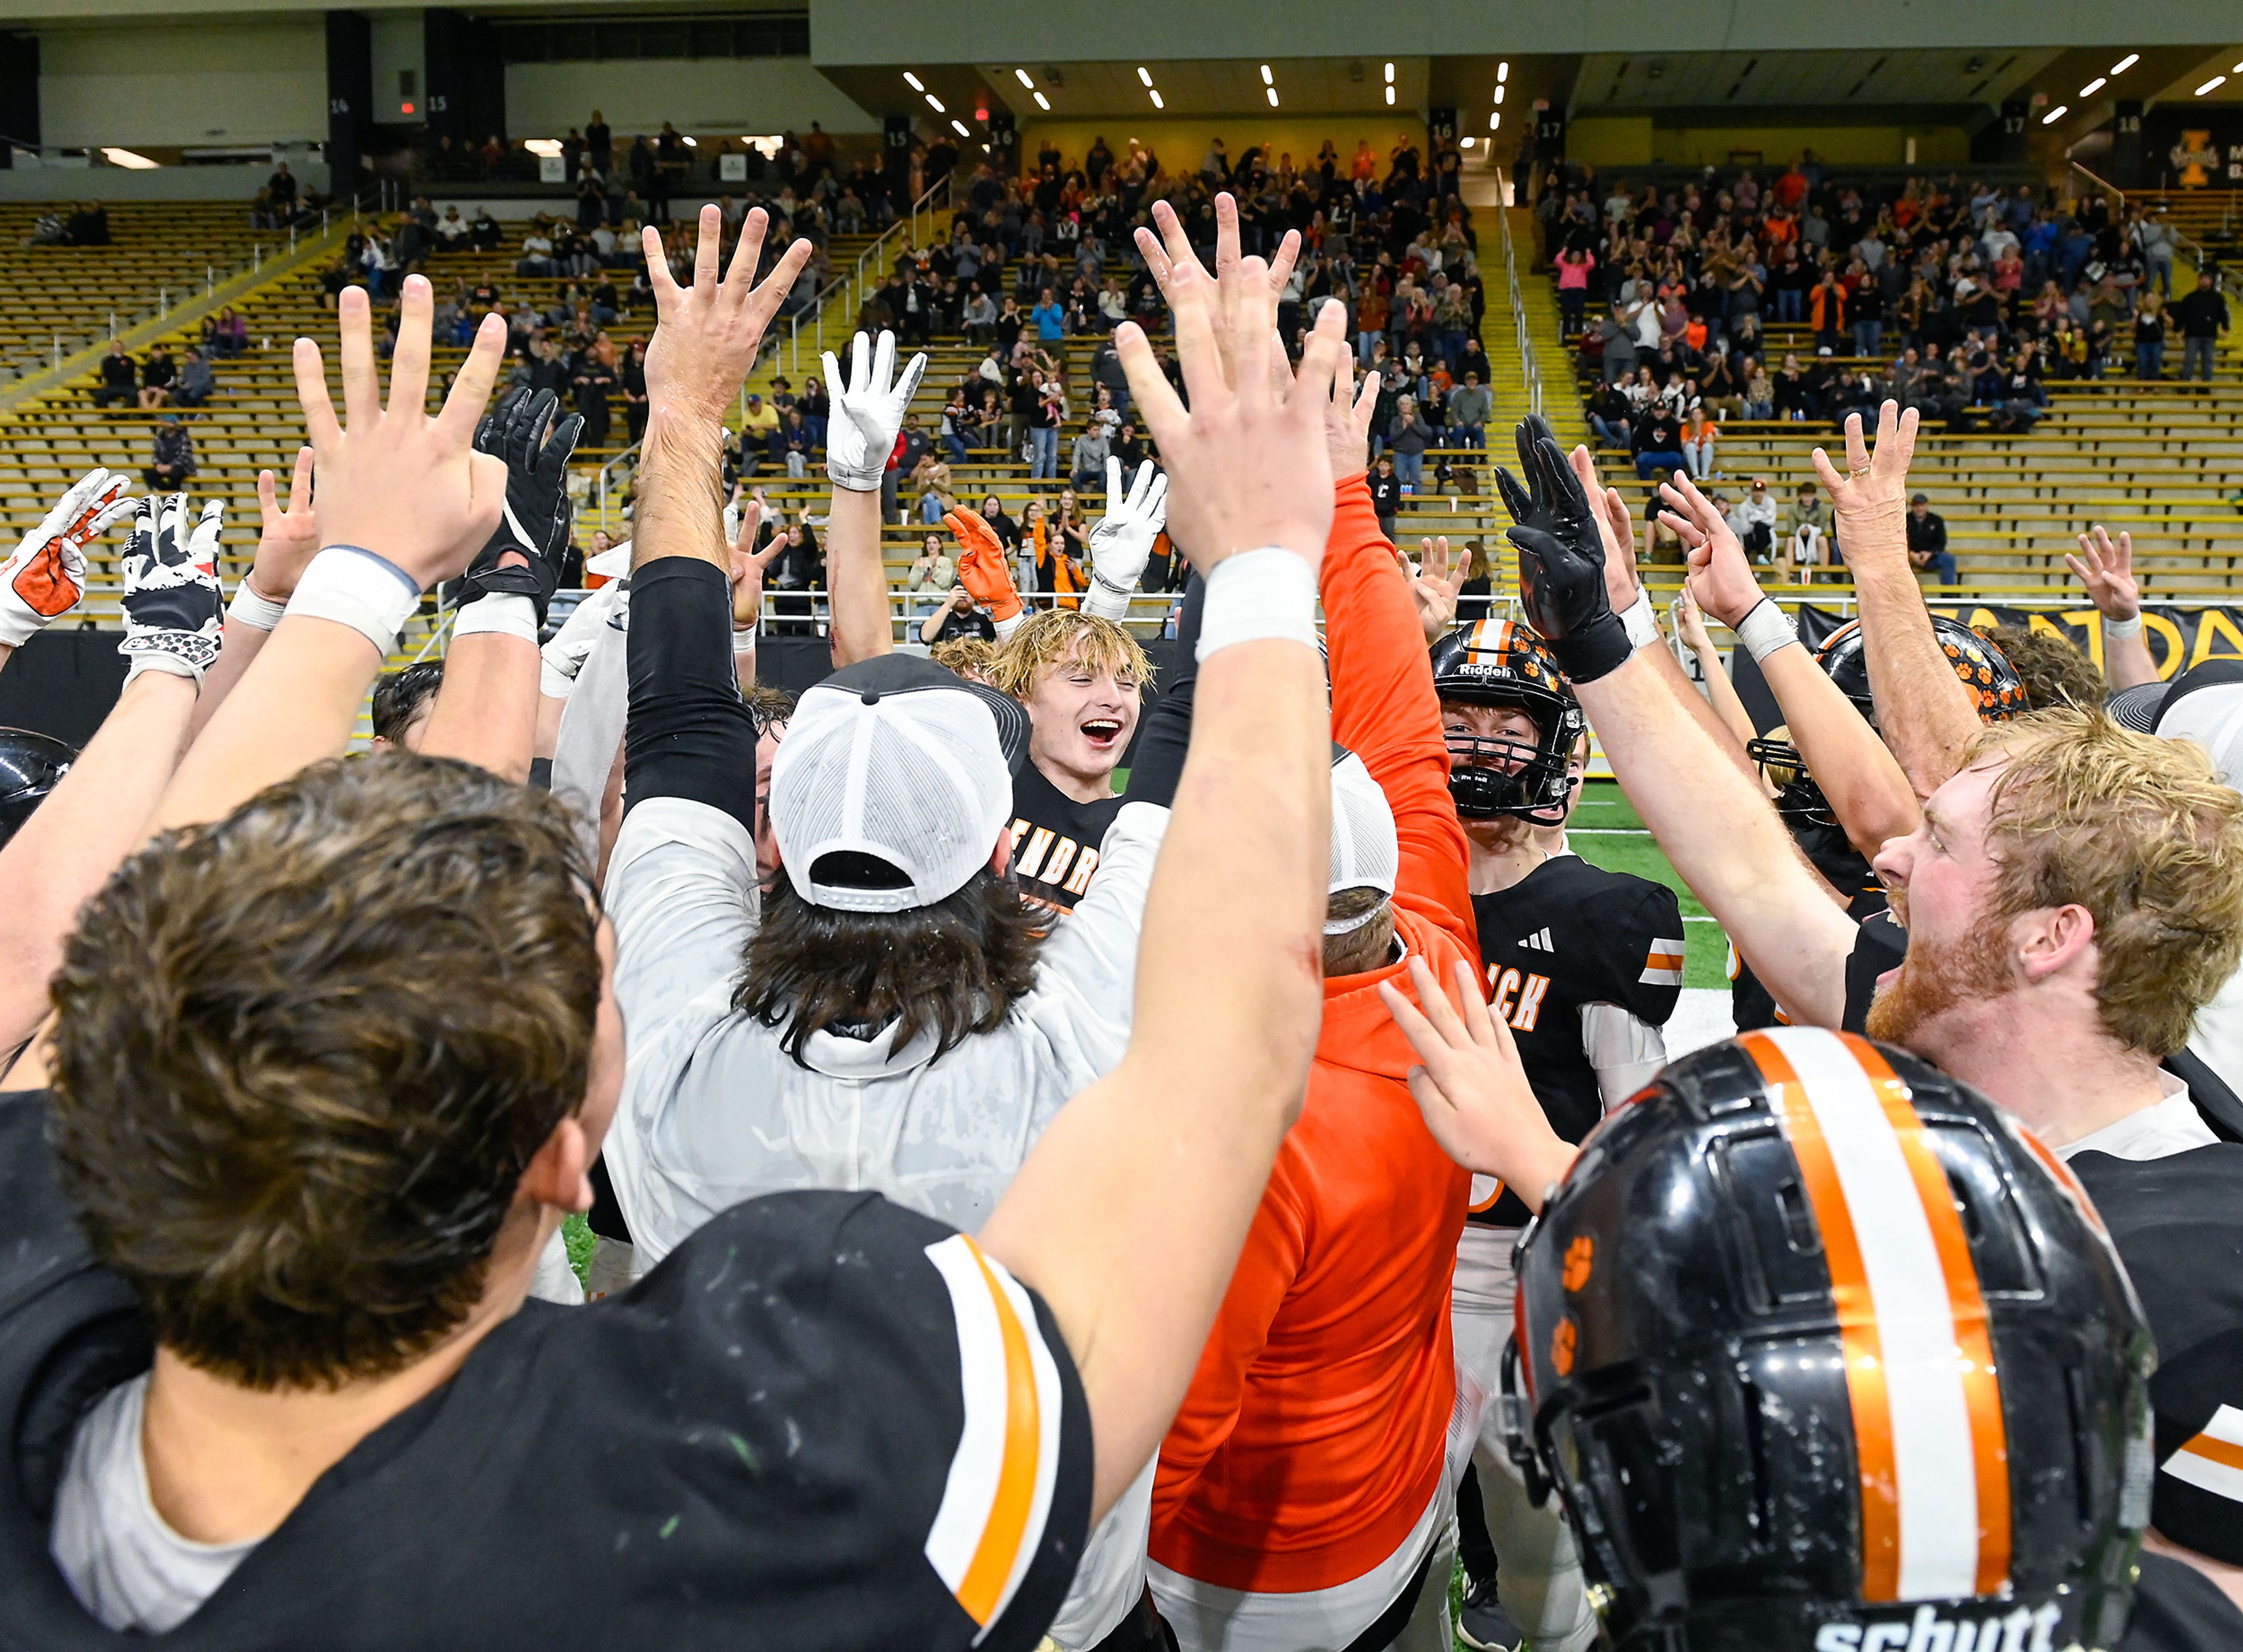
(1662, 965)
(991, 1523)
(2213, 1461)
(1931, 1442)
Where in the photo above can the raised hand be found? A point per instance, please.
(1122, 540)
(172, 604)
(1690, 621)
(1561, 559)
(1168, 255)
(868, 411)
(409, 489)
(2106, 568)
(1874, 491)
(1246, 470)
(983, 569)
(1435, 586)
(743, 522)
(706, 335)
(1347, 425)
(1721, 578)
(522, 558)
(1616, 528)
(45, 578)
(286, 540)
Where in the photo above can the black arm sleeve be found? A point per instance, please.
(689, 734)
(1160, 762)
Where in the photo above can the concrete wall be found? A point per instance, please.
(1179, 143)
(184, 84)
(52, 182)
(745, 97)
(1639, 140)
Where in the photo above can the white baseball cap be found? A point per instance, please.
(903, 762)
(1365, 852)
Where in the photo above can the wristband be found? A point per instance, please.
(1642, 621)
(744, 639)
(259, 613)
(503, 613)
(2121, 627)
(1764, 630)
(1599, 650)
(1257, 596)
(352, 586)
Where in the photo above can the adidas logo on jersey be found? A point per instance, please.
(1538, 941)
(2022, 1628)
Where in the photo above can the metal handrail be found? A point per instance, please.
(1530, 370)
(2204, 260)
(906, 223)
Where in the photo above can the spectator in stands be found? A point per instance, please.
(1385, 493)
(1927, 540)
(1574, 264)
(88, 226)
(120, 379)
(1612, 415)
(593, 382)
(1407, 438)
(226, 336)
(174, 460)
(2150, 337)
(1699, 435)
(933, 575)
(1657, 441)
(1753, 521)
(196, 382)
(1471, 405)
(158, 373)
(2203, 316)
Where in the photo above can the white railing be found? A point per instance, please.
(2118, 197)
(1530, 372)
(850, 289)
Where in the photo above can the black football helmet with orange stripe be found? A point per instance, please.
(1995, 686)
(1823, 1352)
(1499, 662)
(31, 765)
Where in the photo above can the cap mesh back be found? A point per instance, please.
(1365, 852)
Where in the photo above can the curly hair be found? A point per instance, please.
(303, 1056)
(2138, 830)
(399, 695)
(1047, 639)
(2054, 672)
(970, 657)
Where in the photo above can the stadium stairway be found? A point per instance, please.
(1561, 406)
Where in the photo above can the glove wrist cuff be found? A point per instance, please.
(1597, 650)
(853, 479)
(159, 657)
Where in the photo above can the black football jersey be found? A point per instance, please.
(1571, 933)
(1054, 839)
(1830, 852)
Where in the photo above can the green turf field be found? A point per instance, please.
(1607, 831)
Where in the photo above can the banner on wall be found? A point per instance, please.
(2177, 636)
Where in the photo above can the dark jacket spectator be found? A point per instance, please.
(196, 382)
(174, 459)
(120, 379)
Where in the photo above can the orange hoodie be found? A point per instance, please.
(1314, 1433)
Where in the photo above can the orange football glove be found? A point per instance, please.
(982, 568)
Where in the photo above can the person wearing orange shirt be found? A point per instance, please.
(1304, 1493)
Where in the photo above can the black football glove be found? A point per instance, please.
(538, 512)
(1561, 559)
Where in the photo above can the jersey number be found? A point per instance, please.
(1517, 997)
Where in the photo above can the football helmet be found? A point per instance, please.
(1994, 684)
(1499, 662)
(1821, 1351)
(31, 765)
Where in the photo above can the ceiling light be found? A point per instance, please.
(2093, 86)
(1024, 79)
(1502, 72)
(2126, 62)
(134, 161)
(1390, 74)
(2237, 70)
(1466, 142)
(1273, 97)
(914, 81)
(1495, 121)
(2216, 82)
(1145, 75)
(1157, 104)
(535, 146)
(959, 127)
(935, 103)
(1268, 79)
(1499, 90)
(693, 143)
(1043, 103)
(1390, 96)
(2056, 114)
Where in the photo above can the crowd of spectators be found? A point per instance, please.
(1960, 300)
(86, 223)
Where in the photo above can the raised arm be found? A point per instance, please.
(1867, 791)
(868, 411)
(2107, 569)
(1122, 540)
(287, 542)
(1720, 691)
(1923, 711)
(1130, 1211)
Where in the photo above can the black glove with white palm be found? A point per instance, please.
(539, 513)
(868, 411)
(1123, 542)
(173, 610)
(1561, 558)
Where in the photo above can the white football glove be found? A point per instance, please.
(1122, 543)
(173, 610)
(868, 411)
(46, 576)
(562, 658)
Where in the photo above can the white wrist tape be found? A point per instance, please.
(1642, 623)
(1255, 596)
(353, 587)
(259, 613)
(506, 614)
(1767, 629)
(744, 639)
(2121, 627)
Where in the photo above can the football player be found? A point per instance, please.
(1585, 965)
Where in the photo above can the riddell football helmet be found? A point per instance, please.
(1985, 671)
(1824, 1354)
(30, 766)
(1498, 662)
